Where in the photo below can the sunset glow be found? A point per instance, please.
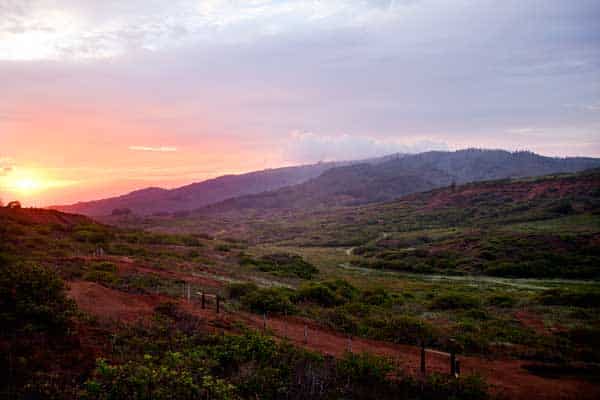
(29, 183)
(102, 98)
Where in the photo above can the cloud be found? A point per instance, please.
(311, 147)
(94, 30)
(161, 149)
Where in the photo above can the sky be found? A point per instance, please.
(98, 98)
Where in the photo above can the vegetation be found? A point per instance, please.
(487, 272)
(283, 264)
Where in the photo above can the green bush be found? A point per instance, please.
(172, 376)
(453, 301)
(502, 300)
(364, 368)
(376, 297)
(33, 298)
(283, 264)
(328, 293)
(238, 290)
(270, 300)
(103, 272)
(399, 329)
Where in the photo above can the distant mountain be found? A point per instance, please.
(336, 184)
(157, 200)
(398, 176)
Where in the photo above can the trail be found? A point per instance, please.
(507, 377)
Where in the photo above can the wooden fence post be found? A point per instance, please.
(350, 343)
(457, 368)
(218, 305)
(305, 334)
(453, 357)
(203, 301)
(423, 367)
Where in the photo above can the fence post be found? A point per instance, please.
(452, 357)
(423, 367)
(305, 334)
(218, 305)
(350, 343)
(457, 368)
(203, 300)
(189, 292)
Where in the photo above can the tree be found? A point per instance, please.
(14, 204)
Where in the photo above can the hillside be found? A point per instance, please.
(550, 222)
(195, 195)
(89, 308)
(370, 183)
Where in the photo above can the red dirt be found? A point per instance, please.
(517, 191)
(508, 377)
(126, 264)
(112, 304)
(531, 321)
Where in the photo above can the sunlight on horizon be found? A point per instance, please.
(27, 183)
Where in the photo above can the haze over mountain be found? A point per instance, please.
(156, 200)
(368, 183)
(343, 183)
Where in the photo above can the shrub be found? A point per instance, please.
(94, 237)
(402, 329)
(238, 290)
(102, 272)
(452, 301)
(471, 387)
(364, 368)
(223, 247)
(319, 294)
(33, 298)
(376, 296)
(268, 301)
(172, 376)
(283, 264)
(501, 300)
(328, 293)
(583, 298)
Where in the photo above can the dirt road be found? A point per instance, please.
(507, 376)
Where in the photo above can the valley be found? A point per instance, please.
(504, 272)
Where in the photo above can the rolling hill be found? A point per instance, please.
(157, 200)
(336, 184)
(370, 183)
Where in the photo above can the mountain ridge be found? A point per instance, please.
(336, 183)
(365, 183)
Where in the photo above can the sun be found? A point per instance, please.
(30, 183)
(27, 185)
(24, 182)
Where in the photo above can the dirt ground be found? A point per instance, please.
(508, 377)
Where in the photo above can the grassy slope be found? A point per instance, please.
(495, 316)
(443, 243)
